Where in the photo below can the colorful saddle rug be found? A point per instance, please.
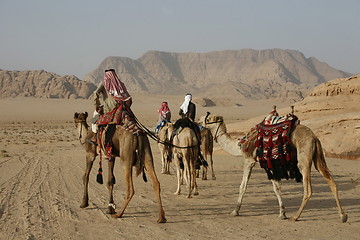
(118, 117)
(273, 148)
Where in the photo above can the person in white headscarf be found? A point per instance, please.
(188, 108)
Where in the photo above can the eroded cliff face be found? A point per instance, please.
(341, 86)
(247, 73)
(42, 84)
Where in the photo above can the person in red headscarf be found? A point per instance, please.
(115, 98)
(113, 91)
(164, 115)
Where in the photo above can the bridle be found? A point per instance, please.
(81, 122)
(217, 129)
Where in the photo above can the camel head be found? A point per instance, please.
(80, 118)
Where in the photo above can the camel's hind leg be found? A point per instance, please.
(110, 186)
(130, 187)
(277, 190)
(179, 174)
(324, 171)
(305, 169)
(193, 184)
(149, 165)
(90, 157)
(249, 163)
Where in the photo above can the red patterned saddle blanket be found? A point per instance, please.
(273, 147)
(118, 117)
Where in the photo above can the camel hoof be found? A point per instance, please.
(283, 217)
(177, 193)
(234, 213)
(84, 205)
(116, 216)
(162, 220)
(188, 196)
(213, 178)
(292, 219)
(196, 193)
(344, 218)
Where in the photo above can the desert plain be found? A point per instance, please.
(42, 164)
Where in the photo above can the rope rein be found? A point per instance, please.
(152, 135)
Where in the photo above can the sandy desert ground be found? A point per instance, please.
(42, 163)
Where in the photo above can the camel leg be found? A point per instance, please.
(163, 162)
(90, 157)
(277, 190)
(193, 184)
(330, 181)
(249, 163)
(305, 171)
(204, 175)
(179, 174)
(110, 185)
(188, 176)
(213, 177)
(149, 165)
(130, 187)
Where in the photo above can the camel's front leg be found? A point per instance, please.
(277, 190)
(90, 157)
(249, 163)
(110, 185)
(130, 188)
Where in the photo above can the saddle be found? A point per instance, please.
(109, 122)
(274, 146)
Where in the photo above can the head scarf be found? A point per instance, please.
(185, 105)
(164, 109)
(114, 86)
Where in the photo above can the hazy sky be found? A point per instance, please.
(74, 37)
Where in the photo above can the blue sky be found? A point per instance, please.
(73, 37)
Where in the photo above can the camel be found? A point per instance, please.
(206, 148)
(305, 145)
(132, 150)
(185, 151)
(163, 137)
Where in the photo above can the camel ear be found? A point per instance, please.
(86, 114)
(76, 115)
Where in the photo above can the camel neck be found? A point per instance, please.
(82, 130)
(226, 142)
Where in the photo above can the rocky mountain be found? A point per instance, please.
(246, 73)
(42, 84)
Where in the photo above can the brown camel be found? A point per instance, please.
(164, 137)
(185, 152)
(305, 145)
(206, 149)
(132, 150)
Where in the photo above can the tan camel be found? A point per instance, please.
(185, 151)
(164, 137)
(206, 148)
(131, 149)
(304, 143)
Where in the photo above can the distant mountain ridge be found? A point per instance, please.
(245, 73)
(43, 84)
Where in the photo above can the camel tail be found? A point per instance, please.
(319, 160)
